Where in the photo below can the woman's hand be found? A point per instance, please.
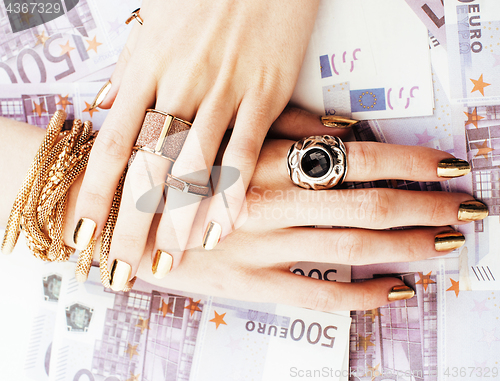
(254, 262)
(218, 63)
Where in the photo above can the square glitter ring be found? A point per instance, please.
(185, 187)
(162, 134)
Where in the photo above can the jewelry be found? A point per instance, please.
(317, 162)
(135, 15)
(336, 121)
(162, 134)
(185, 187)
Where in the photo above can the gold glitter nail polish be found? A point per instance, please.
(447, 241)
(101, 95)
(449, 168)
(400, 293)
(162, 264)
(212, 235)
(472, 210)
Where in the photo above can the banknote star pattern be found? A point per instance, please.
(166, 308)
(497, 59)
(480, 307)
(66, 48)
(39, 108)
(372, 371)
(424, 138)
(425, 280)
(454, 287)
(89, 109)
(489, 336)
(93, 44)
(193, 306)
(365, 342)
(143, 324)
(479, 85)
(134, 377)
(41, 38)
(218, 319)
(132, 350)
(373, 314)
(482, 149)
(26, 17)
(473, 118)
(63, 101)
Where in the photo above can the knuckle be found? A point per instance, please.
(436, 212)
(191, 167)
(243, 155)
(96, 199)
(111, 143)
(350, 248)
(323, 298)
(362, 159)
(375, 207)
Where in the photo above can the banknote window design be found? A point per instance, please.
(52, 287)
(78, 317)
(152, 334)
(12, 108)
(399, 337)
(483, 146)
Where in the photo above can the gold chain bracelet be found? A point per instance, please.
(40, 206)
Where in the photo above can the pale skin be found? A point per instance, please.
(219, 64)
(253, 262)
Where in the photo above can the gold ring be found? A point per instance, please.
(135, 15)
(185, 187)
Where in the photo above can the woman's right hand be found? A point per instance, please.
(254, 262)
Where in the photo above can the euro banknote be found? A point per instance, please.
(472, 30)
(87, 38)
(368, 60)
(154, 333)
(431, 13)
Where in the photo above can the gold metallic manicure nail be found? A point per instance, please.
(400, 293)
(453, 167)
(120, 275)
(212, 235)
(162, 264)
(447, 241)
(101, 95)
(472, 210)
(84, 232)
(337, 121)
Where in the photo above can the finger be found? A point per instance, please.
(142, 194)
(285, 287)
(358, 246)
(111, 152)
(107, 94)
(376, 208)
(370, 161)
(241, 156)
(197, 156)
(295, 123)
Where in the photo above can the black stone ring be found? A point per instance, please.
(317, 162)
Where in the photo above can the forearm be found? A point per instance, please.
(19, 143)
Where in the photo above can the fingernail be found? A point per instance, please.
(101, 95)
(400, 293)
(335, 121)
(447, 241)
(472, 210)
(84, 232)
(453, 168)
(120, 275)
(212, 235)
(162, 264)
